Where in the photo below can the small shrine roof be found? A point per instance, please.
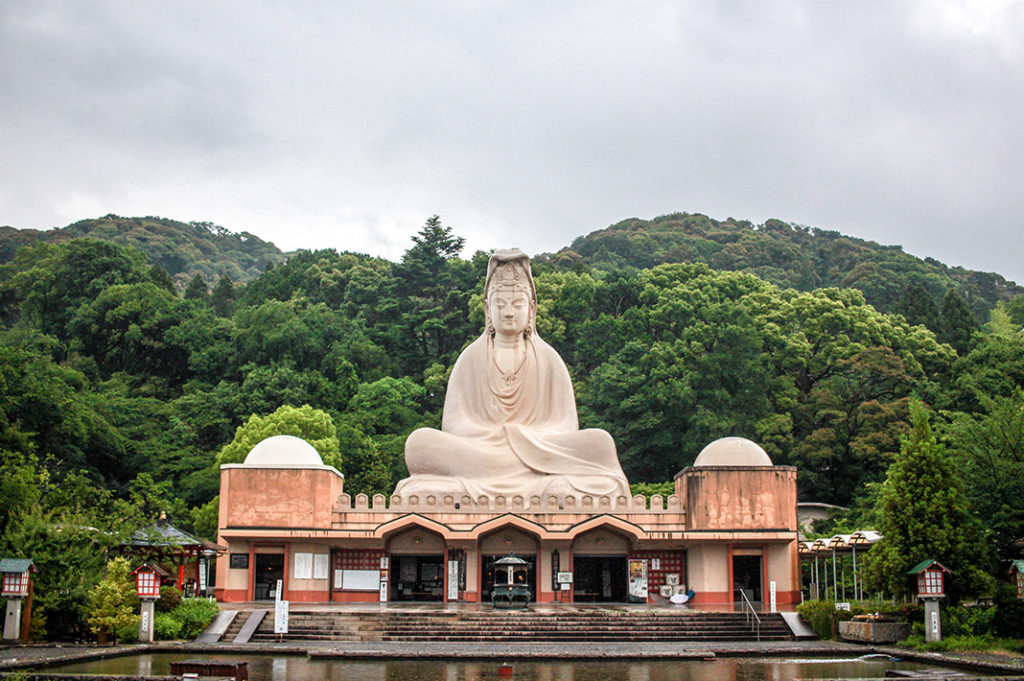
(164, 534)
(18, 565)
(925, 564)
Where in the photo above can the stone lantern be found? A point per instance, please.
(147, 583)
(17, 588)
(931, 586)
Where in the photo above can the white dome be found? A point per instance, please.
(733, 451)
(286, 450)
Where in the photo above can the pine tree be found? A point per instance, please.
(197, 289)
(917, 307)
(923, 513)
(222, 300)
(958, 325)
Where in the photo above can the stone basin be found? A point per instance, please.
(873, 632)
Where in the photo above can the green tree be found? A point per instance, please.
(958, 326)
(313, 425)
(222, 300)
(993, 368)
(66, 524)
(125, 329)
(385, 411)
(918, 307)
(990, 448)
(55, 280)
(428, 320)
(197, 289)
(112, 602)
(924, 513)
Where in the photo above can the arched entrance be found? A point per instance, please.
(599, 567)
(498, 544)
(417, 566)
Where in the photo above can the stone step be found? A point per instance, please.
(597, 626)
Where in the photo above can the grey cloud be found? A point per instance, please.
(319, 124)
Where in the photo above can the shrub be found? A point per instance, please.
(195, 614)
(166, 627)
(967, 621)
(128, 633)
(1008, 618)
(820, 615)
(824, 619)
(170, 598)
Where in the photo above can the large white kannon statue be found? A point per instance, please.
(509, 425)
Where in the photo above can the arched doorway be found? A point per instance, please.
(498, 544)
(599, 567)
(417, 566)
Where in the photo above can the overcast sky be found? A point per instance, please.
(347, 124)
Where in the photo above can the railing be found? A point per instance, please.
(753, 620)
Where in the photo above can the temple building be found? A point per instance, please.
(731, 524)
(509, 472)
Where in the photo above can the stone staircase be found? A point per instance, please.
(235, 627)
(591, 625)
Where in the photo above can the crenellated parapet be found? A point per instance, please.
(449, 503)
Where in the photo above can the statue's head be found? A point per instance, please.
(508, 271)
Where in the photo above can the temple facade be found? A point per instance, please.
(730, 525)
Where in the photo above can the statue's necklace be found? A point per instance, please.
(509, 376)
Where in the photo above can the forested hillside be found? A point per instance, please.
(790, 256)
(182, 249)
(120, 393)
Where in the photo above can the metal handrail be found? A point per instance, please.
(752, 617)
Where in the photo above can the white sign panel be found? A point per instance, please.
(771, 586)
(359, 580)
(383, 589)
(321, 563)
(144, 622)
(303, 566)
(279, 592)
(453, 580)
(281, 617)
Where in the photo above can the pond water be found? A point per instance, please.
(297, 668)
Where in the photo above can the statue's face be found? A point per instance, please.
(510, 311)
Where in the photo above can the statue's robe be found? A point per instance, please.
(520, 437)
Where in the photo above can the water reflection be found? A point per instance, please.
(296, 668)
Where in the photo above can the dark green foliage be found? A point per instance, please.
(924, 514)
(181, 250)
(195, 614)
(222, 300)
(917, 307)
(197, 289)
(989, 448)
(788, 255)
(51, 282)
(957, 325)
(1008, 619)
(820, 616)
